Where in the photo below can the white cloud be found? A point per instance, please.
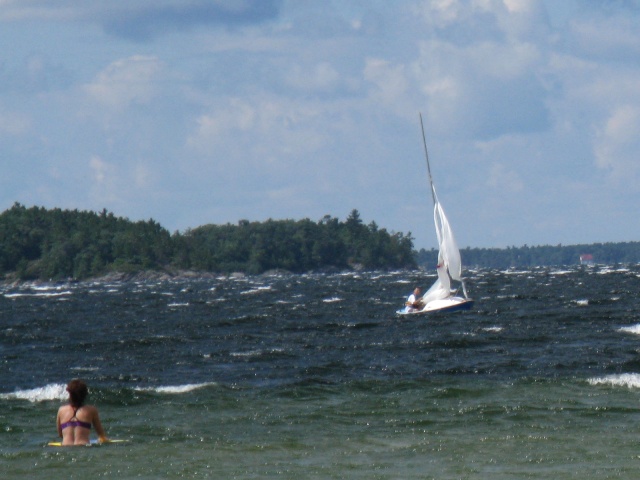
(102, 171)
(321, 77)
(13, 123)
(214, 128)
(126, 81)
(13, 10)
(612, 38)
(104, 186)
(143, 176)
(463, 20)
(598, 96)
(617, 147)
(524, 20)
(441, 12)
(143, 19)
(115, 184)
(504, 179)
(267, 128)
(390, 80)
(518, 5)
(484, 90)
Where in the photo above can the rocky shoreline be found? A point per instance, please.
(11, 280)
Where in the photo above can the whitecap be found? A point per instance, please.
(332, 300)
(255, 290)
(493, 329)
(631, 380)
(608, 270)
(45, 294)
(175, 389)
(52, 391)
(257, 353)
(635, 329)
(250, 353)
(582, 303)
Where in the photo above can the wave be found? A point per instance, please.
(631, 380)
(45, 294)
(561, 272)
(53, 391)
(332, 300)
(175, 389)
(635, 329)
(58, 392)
(609, 270)
(492, 329)
(256, 290)
(259, 353)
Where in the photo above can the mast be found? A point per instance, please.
(438, 213)
(426, 154)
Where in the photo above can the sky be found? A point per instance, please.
(196, 112)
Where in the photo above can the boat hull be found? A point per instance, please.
(450, 304)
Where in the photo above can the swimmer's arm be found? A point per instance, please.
(102, 436)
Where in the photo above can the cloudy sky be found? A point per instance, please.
(193, 112)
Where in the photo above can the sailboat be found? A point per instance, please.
(441, 297)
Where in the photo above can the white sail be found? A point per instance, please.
(449, 253)
(449, 262)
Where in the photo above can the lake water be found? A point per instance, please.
(315, 377)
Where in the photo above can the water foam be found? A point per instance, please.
(493, 329)
(52, 391)
(256, 290)
(44, 294)
(332, 300)
(176, 389)
(630, 380)
(635, 329)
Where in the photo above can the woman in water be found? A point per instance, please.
(74, 420)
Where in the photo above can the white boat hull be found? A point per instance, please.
(449, 304)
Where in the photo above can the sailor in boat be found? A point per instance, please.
(414, 302)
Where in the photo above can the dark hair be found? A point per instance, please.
(78, 392)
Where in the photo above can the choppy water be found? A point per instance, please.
(315, 377)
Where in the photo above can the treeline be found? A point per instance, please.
(36, 243)
(547, 255)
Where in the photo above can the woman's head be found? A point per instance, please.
(77, 392)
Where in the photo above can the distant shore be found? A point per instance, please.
(11, 279)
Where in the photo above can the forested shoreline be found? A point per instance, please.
(541, 256)
(41, 244)
(55, 244)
